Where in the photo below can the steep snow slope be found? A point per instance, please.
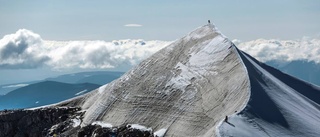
(186, 88)
(280, 105)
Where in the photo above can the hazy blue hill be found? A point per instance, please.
(306, 70)
(43, 93)
(96, 77)
(4, 89)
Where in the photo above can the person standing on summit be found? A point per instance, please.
(209, 21)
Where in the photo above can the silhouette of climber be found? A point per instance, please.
(226, 119)
(209, 21)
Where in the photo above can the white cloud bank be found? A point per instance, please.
(22, 50)
(282, 50)
(133, 25)
(25, 49)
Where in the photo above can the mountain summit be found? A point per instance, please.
(200, 85)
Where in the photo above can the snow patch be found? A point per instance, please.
(140, 127)
(81, 92)
(102, 88)
(102, 124)
(160, 133)
(16, 86)
(76, 122)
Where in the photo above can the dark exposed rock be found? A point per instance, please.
(121, 131)
(58, 122)
(33, 123)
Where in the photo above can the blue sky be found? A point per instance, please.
(157, 20)
(160, 20)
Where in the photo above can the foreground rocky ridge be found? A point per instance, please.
(33, 123)
(58, 121)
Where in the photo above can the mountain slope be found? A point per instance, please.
(193, 82)
(280, 105)
(43, 93)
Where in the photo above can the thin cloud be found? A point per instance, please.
(16, 86)
(133, 25)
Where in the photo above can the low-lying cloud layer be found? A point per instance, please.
(282, 50)
(27, 50)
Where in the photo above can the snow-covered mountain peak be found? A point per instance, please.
(202, 85)
(195, 81)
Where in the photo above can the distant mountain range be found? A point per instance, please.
(53, 90)
(305, 70)
(95, 77)
(43, 93)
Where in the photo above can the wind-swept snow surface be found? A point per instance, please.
(279, 105)
(185, 88)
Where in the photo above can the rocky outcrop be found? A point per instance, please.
(121, 131)
(33, 123)
(58, 122)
